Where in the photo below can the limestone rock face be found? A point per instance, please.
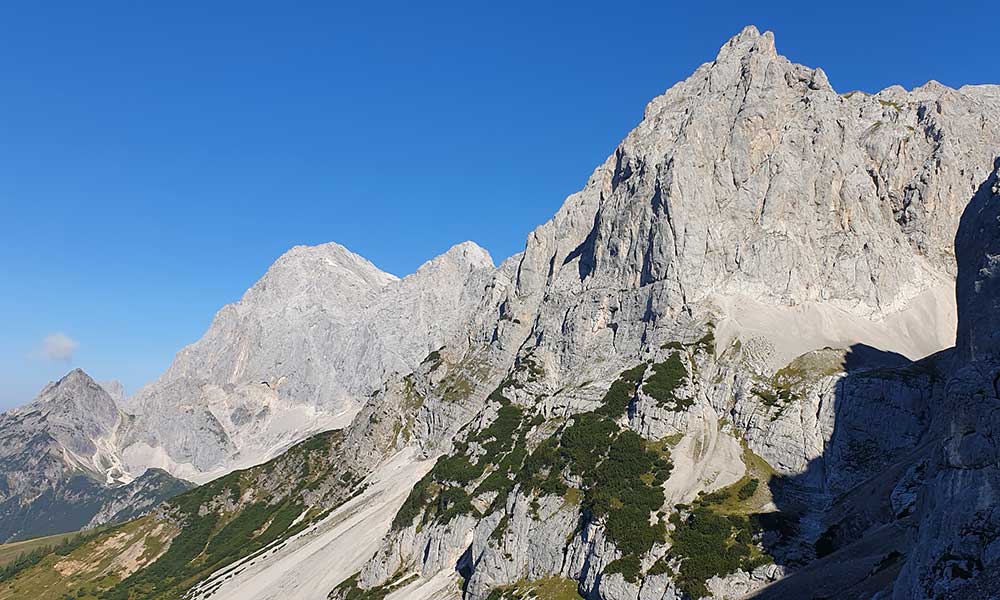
(76, 416)
(298, 354)
(958, 533)
(812, 232)
(753, 179)
(59, 466)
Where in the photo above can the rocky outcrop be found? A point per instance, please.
(957, 543)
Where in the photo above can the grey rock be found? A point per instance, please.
(59, 468)
(319, 333)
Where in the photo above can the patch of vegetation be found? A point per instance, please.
(457, 468)
(660, 567)
(629, 567)
(529, 364)
(455, 387)
(413, 506)
(706, 343)
(708, 544)
(349, 590)
(549, 588)
(890, 104)
(35, 550)
(621, 392)
(717, 534)
(210, 539)
(785, 386)
(663, 383)
(433, 359)
(747, 490)
(622, 473)
(441, 494)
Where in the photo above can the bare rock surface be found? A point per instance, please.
(59, 467)
(298, 354)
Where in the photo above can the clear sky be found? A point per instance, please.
(156, 157)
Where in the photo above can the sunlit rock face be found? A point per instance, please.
(299, 353)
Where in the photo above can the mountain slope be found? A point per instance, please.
(756, 209)
(317, 334)
(720, 370)
(59, 470)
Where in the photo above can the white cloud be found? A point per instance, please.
(59, 346)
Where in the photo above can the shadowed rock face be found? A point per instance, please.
(957, 548)
(977, 246)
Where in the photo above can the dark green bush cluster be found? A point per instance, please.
(660, 567)
(663, 383)
(621, 392)
(618, 488)
(542, 470)
(709, 544)
(441, 494)
(435, 498)
(629, 566)
(748, 489)
(457, 468)
(419, 497)
(776, 398)
(500, 436)
(622, 478)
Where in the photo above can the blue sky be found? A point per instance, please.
(155, 158)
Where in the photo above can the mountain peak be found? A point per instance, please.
(468, 252)
(749, 40)
(77, 379)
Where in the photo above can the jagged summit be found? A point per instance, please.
(317, 334)
(753, 183)
(75, 399)
(748, 41)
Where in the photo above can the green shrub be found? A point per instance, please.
(708, 544)
(414, 504)
(748, 489)
(663, 383)
(628, 566)
(457, 468)
(621, 392)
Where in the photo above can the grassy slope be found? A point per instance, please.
(149, 558)
(9, 552)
